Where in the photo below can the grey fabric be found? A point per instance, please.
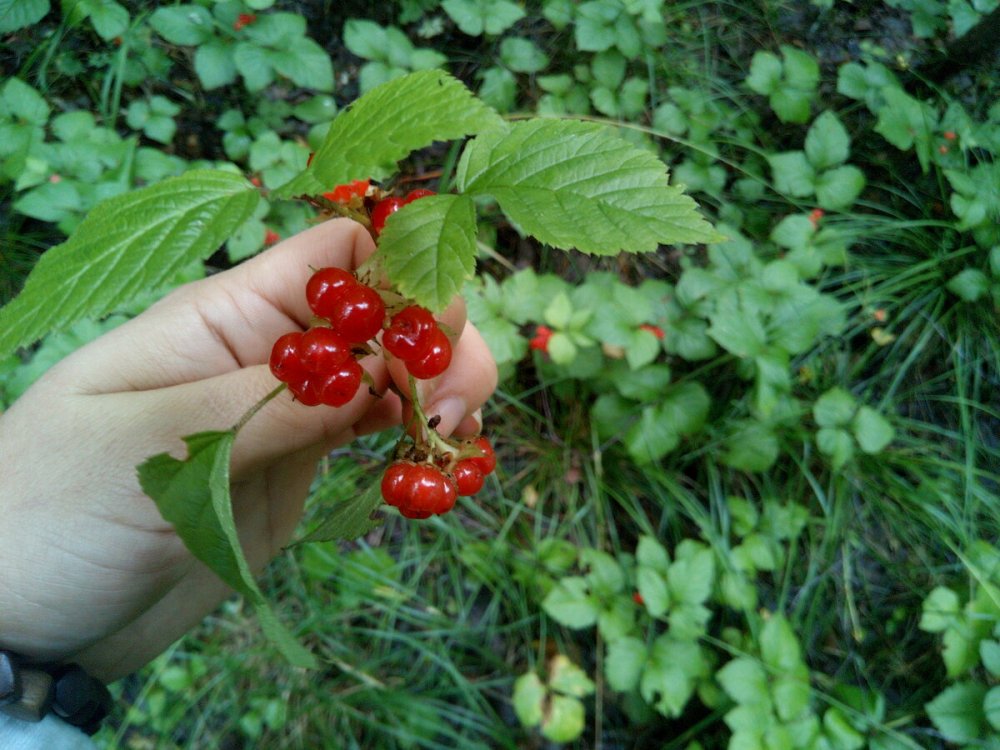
(48, 734)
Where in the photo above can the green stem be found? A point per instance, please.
(256, 408)
(432, 435)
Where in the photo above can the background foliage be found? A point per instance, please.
(748, 491)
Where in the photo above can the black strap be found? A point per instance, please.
(29, 692)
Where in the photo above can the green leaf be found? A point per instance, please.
(214, 64)
(183, 24)
(989, 651)
(564, 721)
(127, 245)
(193, 495)
(529, 699)
(566, 677)
(969, 285)
(624, 662)
(801, 69)
(365, 39)
(668, 680)
(109, 18)
(779, 647)
(651, 437)
(407, 113)
(765, 73)
(793, 174)
(837, 189)
(827, 142)
(575, 185)
(991, 707)
(24, 102)
(653, 590)
(570, 604)
(307, 65)
(475, 17)
(836, 443)
(872, 430)
(957, 712)
(744, 680)
(605, 576)
(834, 408)
(839, 731)
(684, 407)
(428, 248)
(691, 579)
(961, 652)
(348, 519)
(752, 447)
(522, 55)
(254, 64)
(651, 554)
(19, 14)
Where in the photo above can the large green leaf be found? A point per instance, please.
(577, 185)
(127, 245)
(428, 248)
(348, 519)
(958, 713)
(18, 14)
(388, 123)
(193, 495)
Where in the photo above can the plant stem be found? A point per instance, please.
(432, 435)
(256, 408)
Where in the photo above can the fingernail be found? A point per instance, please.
(451, 410)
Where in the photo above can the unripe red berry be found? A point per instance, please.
(322, 350)
(286, 359)
(468, 478)
(383, 210)
(340, 386)
(409, 333)
(358, 314)
(325, 287)
(435, 361)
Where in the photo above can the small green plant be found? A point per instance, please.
(789, 82)
(389, 52)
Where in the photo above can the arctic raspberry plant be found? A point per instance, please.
(569, 184)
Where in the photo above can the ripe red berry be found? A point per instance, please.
(270, 237)
(286, 360)
(325, 287)
(383, 210)
(637, 598)
(396, 483)
(409, 333)
(419, 514)
(244, 19)
(344, 193)
(486, 462)
(430, 490)
(417, 194)
(339, 387)
(436, 360)
(949, 135)
(323, 351)
(541, 339)
(307, 390)
(468, 477)
(358, 314)
(655, 330)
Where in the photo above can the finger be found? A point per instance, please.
(218, 324)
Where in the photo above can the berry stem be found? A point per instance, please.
(256, 408)
(432, 435)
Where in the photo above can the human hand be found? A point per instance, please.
(92, 572)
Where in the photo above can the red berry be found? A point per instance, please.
(943, 149)
(396, 483)
(286, 359)
(344, 193)
(417, 194)
(486, 462)
(430, 490)
(383, 210)
(637, 598)
(409, 333)
(815, 215)
(270, 237)
(244, 19)
(410, 513)
(949, 135)
(307, 390)
(436, 360)
(325, 287)
(340, 386)
(323, 351)
(655, 330)
(541, 339)
(468, 477)
(358, 314)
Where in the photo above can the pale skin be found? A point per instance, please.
(91, 572)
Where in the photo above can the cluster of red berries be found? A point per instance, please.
(421, 489)
(388, 206)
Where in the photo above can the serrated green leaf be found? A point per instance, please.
(827, 142)
(348, 519)
(125, 246)
(872, 430)
(183, 24)
(744, 680)
(214, 64)
(793, 174)
(957, 712)
(653, 590)
(834, 408)
(193, 495)
(691, 579)
(837, 189)
(575, 185)
(428, 248)
(969, 285)
(570, 604)
(475, 17)
(765, 73)
(624, 662)
(385, 125)
(19, 14)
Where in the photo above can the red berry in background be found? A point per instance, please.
(286, 360)
(357, 314)
(383, 210)
(541, 339)
(468, 477)
(340, 386)
(943, 149)
(344, 193)
(435, 361)
(243, 20)
(396, 483)
(637, 598)
(417, 194)
(325, 287)
(949, 135)
(655, 330)
(323, 351)
(255, 181)
(409, 333)
(815, 215)
(486, 462)
(270, 237)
